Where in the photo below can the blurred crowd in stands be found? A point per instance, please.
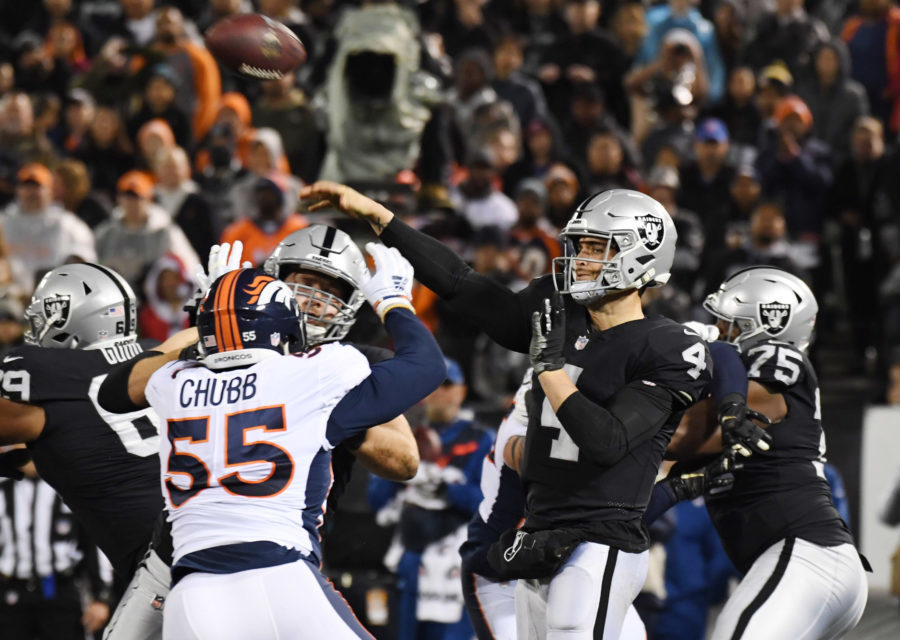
(768, 129)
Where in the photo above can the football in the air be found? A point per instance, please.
(255, 46)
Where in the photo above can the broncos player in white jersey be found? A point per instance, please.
(257, 461)
(803, 576)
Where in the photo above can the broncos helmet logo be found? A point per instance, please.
(255, 288)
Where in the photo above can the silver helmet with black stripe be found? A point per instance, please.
(640, 245)
(327, 251)
(81, 306)
(762, 303)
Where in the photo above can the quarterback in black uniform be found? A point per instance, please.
(105, 466)
(803, 576)
(610, 388)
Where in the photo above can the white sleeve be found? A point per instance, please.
(516, 423)
(158, 389)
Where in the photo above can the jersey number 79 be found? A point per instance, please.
(238, 453)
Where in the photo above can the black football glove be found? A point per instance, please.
(11, 460)
(548, 332)
(715, 478)
(739, 432)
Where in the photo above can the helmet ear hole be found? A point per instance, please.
(61, 337)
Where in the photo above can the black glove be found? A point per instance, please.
(190, 353)
(739, 432)
(713, 479)
(11, 460)
(548, 332)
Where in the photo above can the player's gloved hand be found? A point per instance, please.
(222, 259)
(548, 333)
(11, 460)
(715, 478)
(391, 284)
(709, 332)
(739, 431)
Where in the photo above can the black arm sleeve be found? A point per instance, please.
(630, 418)
(113, 392)
(505, 316)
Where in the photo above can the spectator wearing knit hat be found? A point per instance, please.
(159, 101)
(140, 232)
(265, 158)
(795, 171)
(533, 237)
(39, 234)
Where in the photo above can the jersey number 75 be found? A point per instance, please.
(238, 453)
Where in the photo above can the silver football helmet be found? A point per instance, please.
(81, 306)
(331, 252)
(764, 303)
(640, 246)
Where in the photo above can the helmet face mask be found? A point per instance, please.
(763, 303)
(640, 245)
(322, 251)
(81, 306)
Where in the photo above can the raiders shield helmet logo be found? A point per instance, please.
(774, 316)
(651, 230)
(57, 306)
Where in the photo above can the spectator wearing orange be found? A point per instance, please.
(66, 46)
(795, 170)
(272, 219)
(39, 234)
(234, 116)
(201, 84)
(140, 232)
(533, 237)
(873, 38)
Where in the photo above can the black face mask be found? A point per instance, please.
(220, 156)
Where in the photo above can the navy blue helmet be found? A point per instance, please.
(246, 316)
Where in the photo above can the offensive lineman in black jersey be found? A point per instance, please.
(105, 466)
(803, 576)
(610, 388)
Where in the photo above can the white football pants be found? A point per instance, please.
(593, 589)
(796, 590)
(286, 601)
(139, 615)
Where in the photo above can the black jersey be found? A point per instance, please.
(564, 488)
(780, 493)
(105, 466)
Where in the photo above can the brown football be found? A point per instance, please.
(255, 46)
